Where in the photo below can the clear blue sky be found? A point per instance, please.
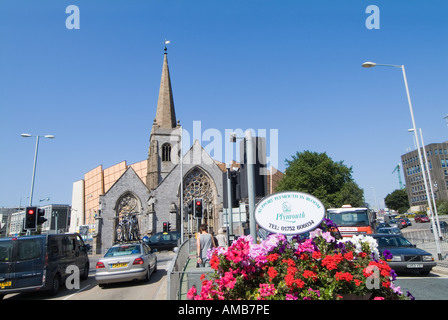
(294, 66)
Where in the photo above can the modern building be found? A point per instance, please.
(150, 190)
(437, 155)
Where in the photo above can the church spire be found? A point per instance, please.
(165, 114)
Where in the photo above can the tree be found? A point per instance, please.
(317, 174)
(442, 206)
(397, 200)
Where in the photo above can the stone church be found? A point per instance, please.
(151, 189)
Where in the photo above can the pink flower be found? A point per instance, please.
(266, 290)
(328, 237)
(306, 246)
(290, 297)
(228, 281)
(192, 293)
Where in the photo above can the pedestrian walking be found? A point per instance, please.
(204, 242)
(222, 238)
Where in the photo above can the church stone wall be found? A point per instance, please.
(128, 183)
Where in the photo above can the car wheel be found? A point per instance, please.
(148, 275)
(55, 284)
(155, 267)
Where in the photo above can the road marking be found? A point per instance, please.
(68, 297)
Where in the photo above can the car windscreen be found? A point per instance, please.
(352, 218)
(125, 250)
(393, 242)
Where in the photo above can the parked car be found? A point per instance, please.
(443, 227)
(126, 262)
(164, 240)
(405, 255)
(395, 224)
(421, 218)
(382, 225)
(403, 222)
(388, 230)
(40, 262)
(408, 222)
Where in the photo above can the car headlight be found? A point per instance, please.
(395, 259)
(428, 258)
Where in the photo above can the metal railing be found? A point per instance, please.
(175, 270)
(424, 239)
(182, 273)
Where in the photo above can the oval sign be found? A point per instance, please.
(289, 212)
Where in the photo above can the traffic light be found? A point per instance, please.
(30, 217)
(40, 216)
(198, 209)
(169, 226)
(165, 227)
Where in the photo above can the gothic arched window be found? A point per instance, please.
(166, 152)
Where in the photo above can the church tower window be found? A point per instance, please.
(166, 152)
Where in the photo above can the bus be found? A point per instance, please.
(352, 221)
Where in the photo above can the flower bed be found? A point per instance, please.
(322, 266)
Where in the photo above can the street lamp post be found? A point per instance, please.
(373, 64)
(250, 151)
(436, 215)
(27, 135)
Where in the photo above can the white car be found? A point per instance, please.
(126, 262)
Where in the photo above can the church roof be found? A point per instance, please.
(165, 114)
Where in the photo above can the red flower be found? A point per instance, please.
(290, 262)
(300, 283)
(272, 273)
(289, 280)
(272, 257)
(291, 270)
(214, 262)
(317, 255)
(348, 256)
(347, 276)
(309, 274)
(331, 261)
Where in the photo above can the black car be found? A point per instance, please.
(405, 255)
(443, 227)
(389, 230)
(164, 240)
(41, 262)
(382, 225)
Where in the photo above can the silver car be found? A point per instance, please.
(126, 262)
